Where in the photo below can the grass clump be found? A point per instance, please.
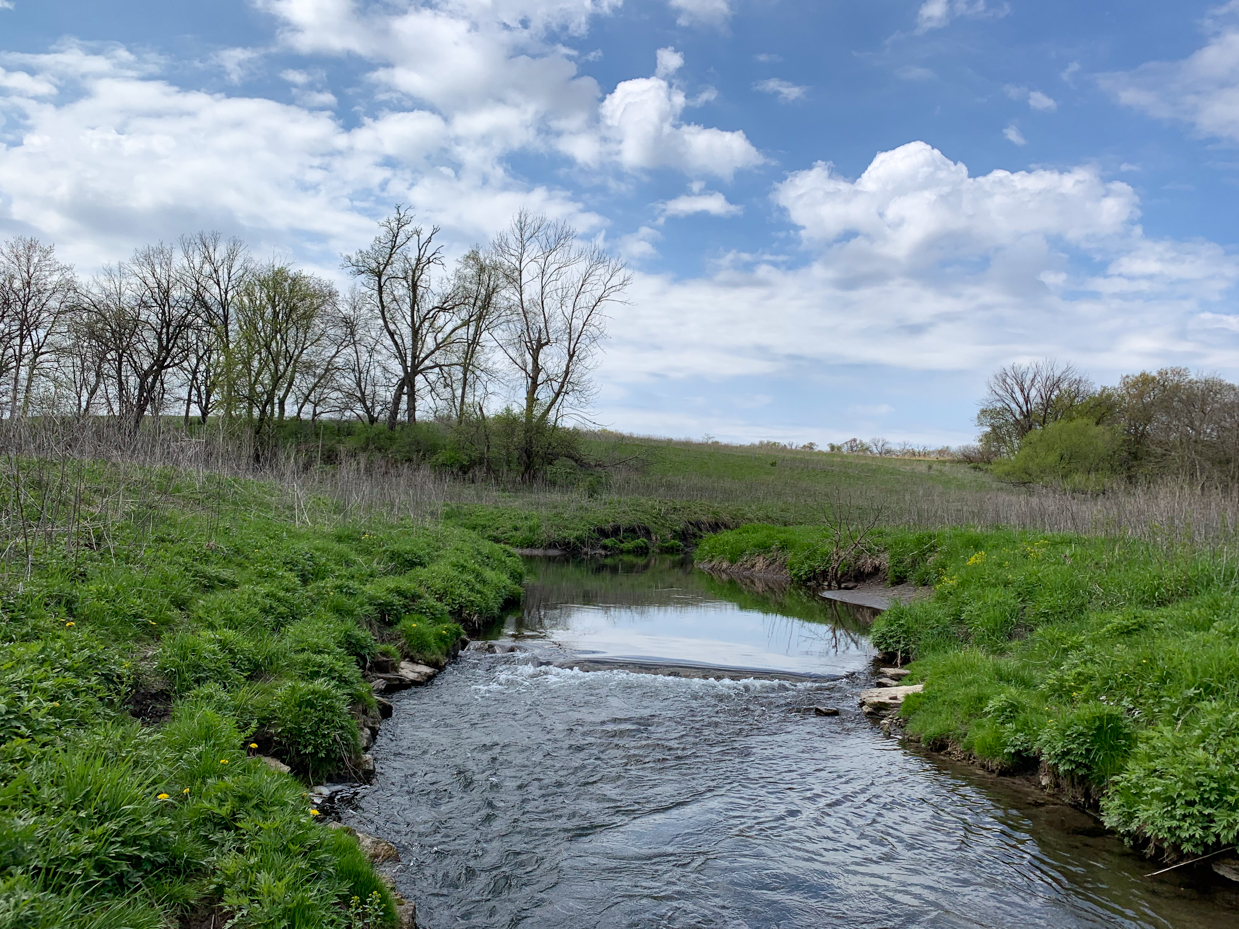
(139, 682)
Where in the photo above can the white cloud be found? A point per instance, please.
(881, 409)
(669, 61)
(639, 245)
(100, 154)
(6, 4)
(1202, 89)
(237, 63)
(786, 91)
(713, 203)
(1012, 134)
(919, 265)
(934, 14)
(708, 12)
(489, 68)
(641, 121)
(1035, 98)
(914, 203)
(1039, 101)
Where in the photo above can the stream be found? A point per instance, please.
(554, 786)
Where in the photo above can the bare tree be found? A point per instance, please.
(401, 275)
(1022, 398)
(556, 293)
(36, 294)
(479, 307)
(137, 318)
(365, 382)
(215, 272)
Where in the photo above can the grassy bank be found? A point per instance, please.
(160, 643)
(1112, 664)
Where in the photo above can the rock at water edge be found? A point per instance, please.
(883, 700)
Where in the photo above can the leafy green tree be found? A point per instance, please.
(1077, 454)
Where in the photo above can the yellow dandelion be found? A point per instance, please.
(70, 623)
(253, 745)
(223, 761)
(185, 791)
(162, 797)
(313, 812)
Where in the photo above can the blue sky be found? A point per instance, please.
(841, 215)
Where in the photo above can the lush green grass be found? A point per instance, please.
(1112, 663)
(664, 496)
(232, 632)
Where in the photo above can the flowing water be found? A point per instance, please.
(521, 790)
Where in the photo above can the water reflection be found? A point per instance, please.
(663, 610)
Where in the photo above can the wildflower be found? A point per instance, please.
(151, 621)
(253, 745)
(313, 812)
(69, 623)
(55, 703)
(978, 558)
(223, 761)
(185, 791)
(162, 797)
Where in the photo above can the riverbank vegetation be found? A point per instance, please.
(1111, 663)
(163, 629)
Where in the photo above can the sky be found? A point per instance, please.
(841, 215)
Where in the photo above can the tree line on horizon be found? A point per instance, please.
(1047, 423)
(500, 344)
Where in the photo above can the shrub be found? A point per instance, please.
(427, 641)
(313, 729)
(1075, 454)
(1181, 786)
(1089, 743)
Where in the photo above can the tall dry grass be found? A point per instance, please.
(66, 483)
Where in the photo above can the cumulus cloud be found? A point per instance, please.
(493, 71)
(100, 153)
(641, 120)
(708, 12)
(1013, 135)
(1034, 98)
(712, 203)
(786, 91)
(1202, 89)
(1039, 101)
(639, 245)
(918, 264)
(934, 14)
(914, 203)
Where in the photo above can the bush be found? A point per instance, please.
(1090, 743)
(314, 731)
(1075, 454)
(1181, 787)
(426, 641)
